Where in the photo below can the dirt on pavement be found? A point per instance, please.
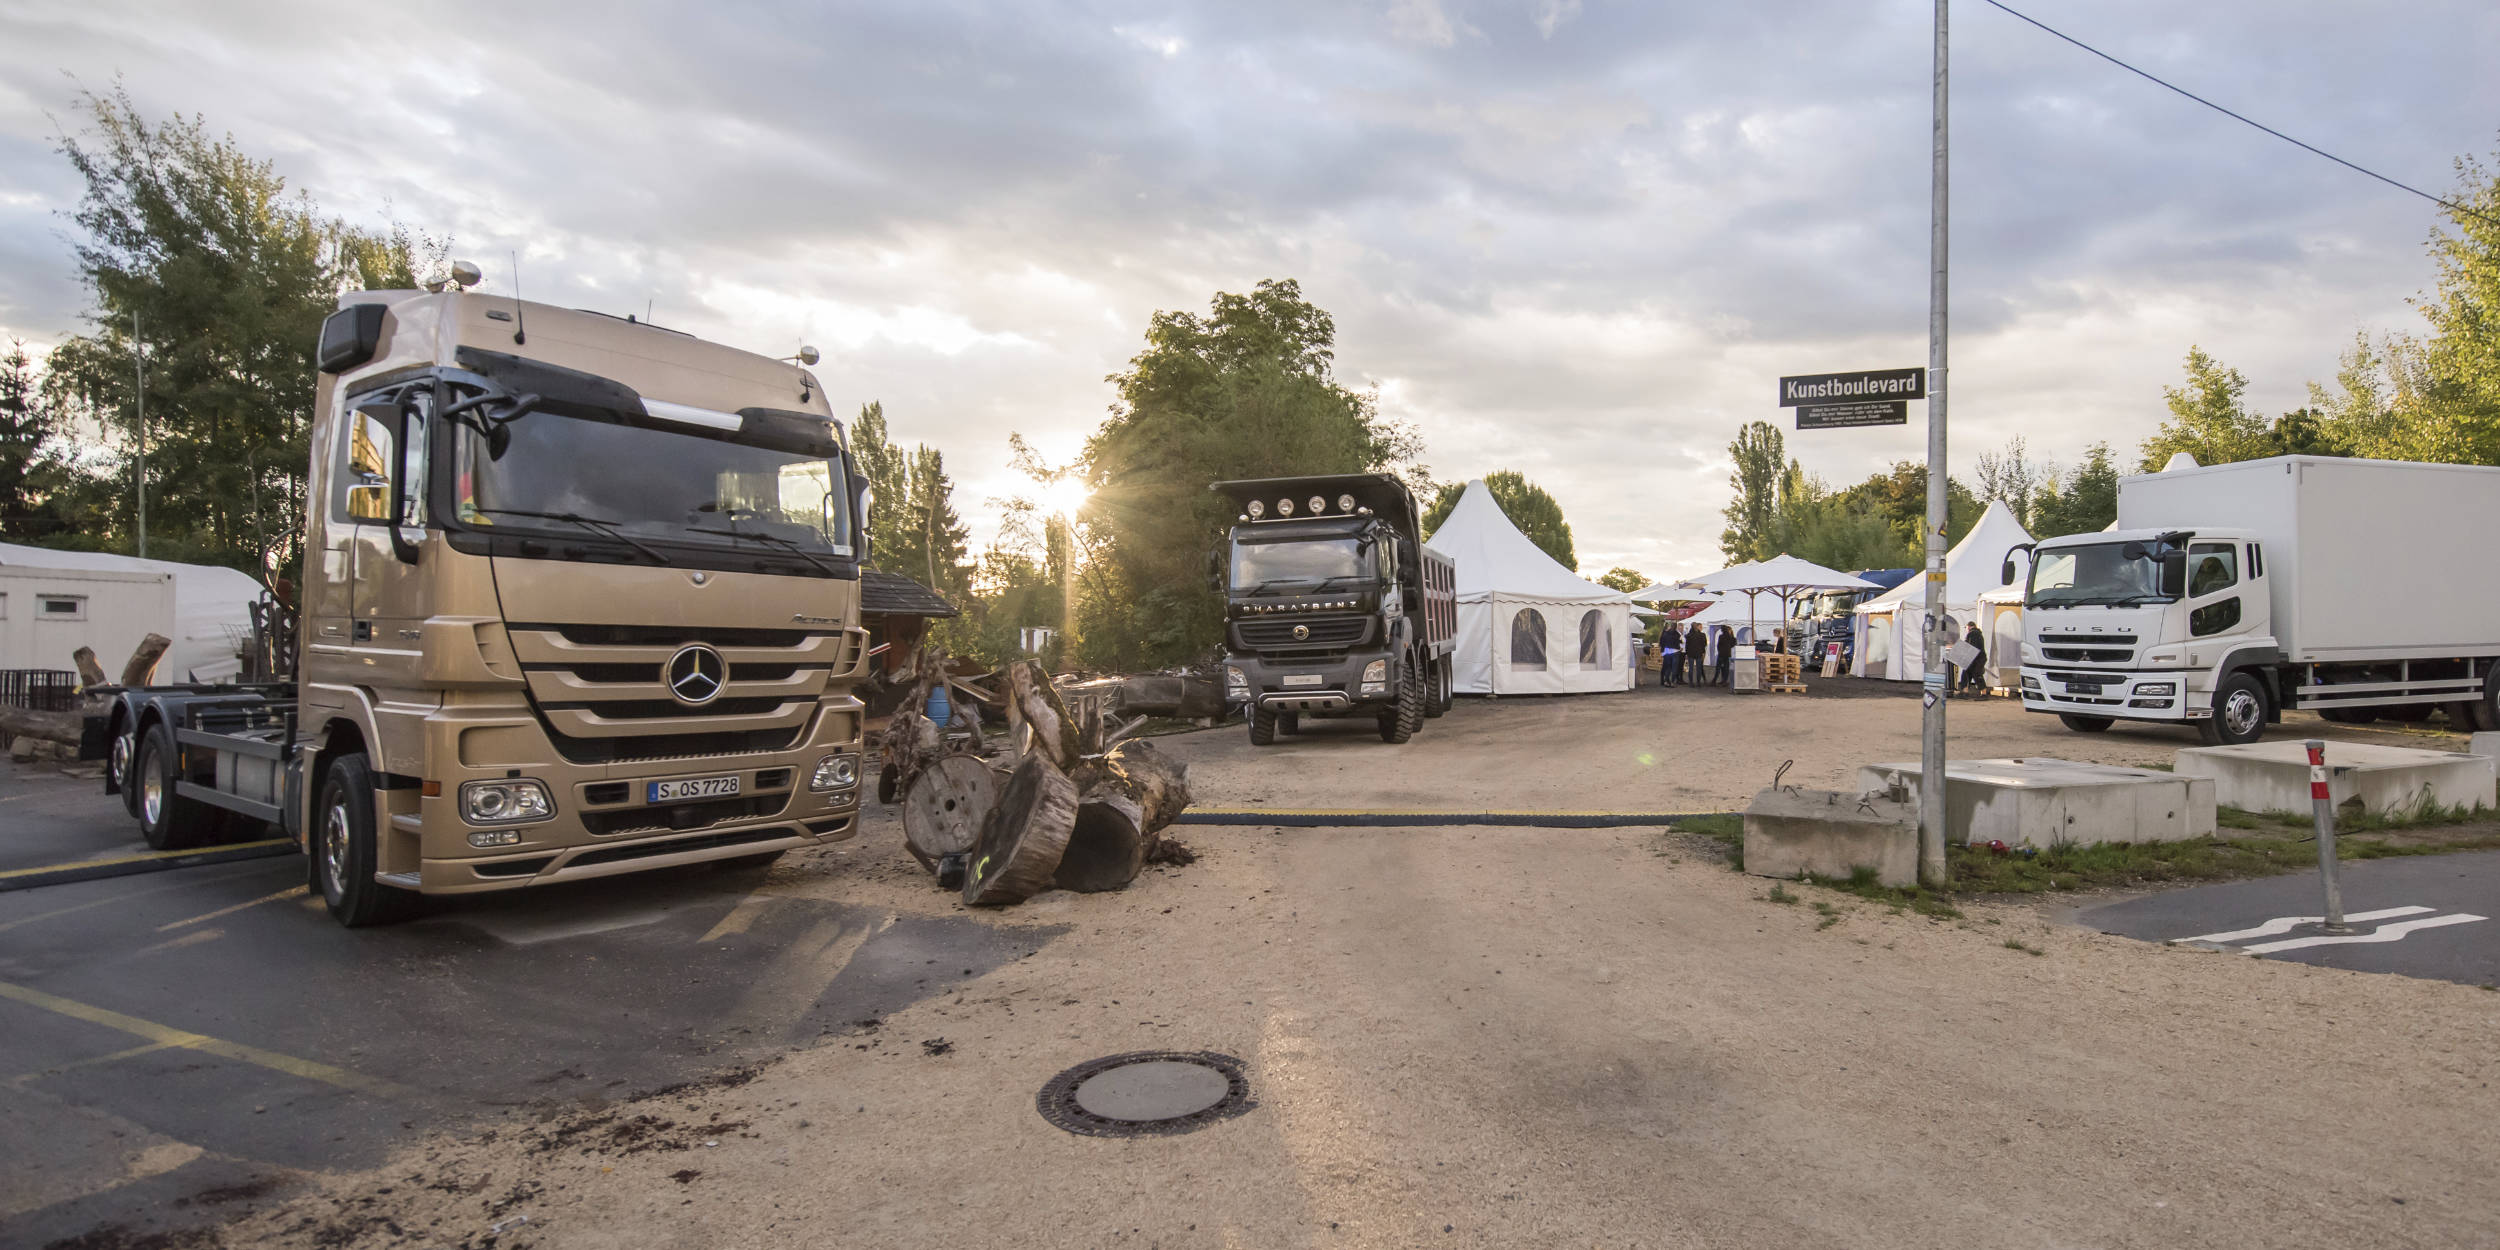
(1527, 1037)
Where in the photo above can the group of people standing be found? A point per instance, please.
(1695, 657)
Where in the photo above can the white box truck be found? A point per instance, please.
(2232, 593)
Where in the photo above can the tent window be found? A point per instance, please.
(1597, 643)
(1527, 639)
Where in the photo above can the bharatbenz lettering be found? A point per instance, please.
(1333, 606)
(2230, 594)
(580, 598)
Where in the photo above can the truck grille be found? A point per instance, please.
(1276, 634)
(601, 692)
(2089, 655)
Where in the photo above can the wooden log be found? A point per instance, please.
(1055, 730)
(1026, 833)
(90, 673)
(945, 808)
(143, 660)
(1128, 796)
(61, 727)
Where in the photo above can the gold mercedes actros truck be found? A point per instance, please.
(581, 597)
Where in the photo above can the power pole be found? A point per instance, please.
(139, 405)
(1931, 814)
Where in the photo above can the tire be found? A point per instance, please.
(2484, 714)
(1436, 692)
(1262, 726)
(345, 852)
(1400, 724)
(168, 821)
(2239, 712)
(117, 769)
(2085, 724)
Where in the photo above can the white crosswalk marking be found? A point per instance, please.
(2285, 924)
(2384, 933)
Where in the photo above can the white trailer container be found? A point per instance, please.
(2229, 594)
(45, 614)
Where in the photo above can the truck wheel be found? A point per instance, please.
(2084, 724)
(168, 821)
(2486, 710)
(117, 771)
(345, 853)
(1262, 726)
(2239, 712)
(1437, 691)
(1401, 724)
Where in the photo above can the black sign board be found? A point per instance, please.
(1844, 388)
(1842, 416)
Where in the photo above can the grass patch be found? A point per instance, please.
(1779, 894)
(2017, 944)
(1725, 828)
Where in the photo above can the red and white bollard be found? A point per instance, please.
(2322, 808)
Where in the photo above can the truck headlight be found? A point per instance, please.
(1235, 679)
(835, 772)
(2030, 682)
(2158, 687)
(508, 802)
(1375, 672)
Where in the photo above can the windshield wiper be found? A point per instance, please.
(1278, 581)
(607, 529)
(1326, 582)
(775, 539)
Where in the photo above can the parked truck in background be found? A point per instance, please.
(1831, 616)
(2232, 593)
(580, 597)
(1333, 605)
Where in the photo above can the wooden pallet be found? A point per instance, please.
(1783, 674)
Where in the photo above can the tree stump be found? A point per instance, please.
(143, 660)
(1039, 708)
(90, 673)
(1126, 798)
(945, 808)
(1024, 837)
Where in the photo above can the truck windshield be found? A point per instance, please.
(647, 484)
(2103, 574)
(1304, 563)
(1834, 602)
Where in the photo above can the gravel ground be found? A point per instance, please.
(1516, 1037)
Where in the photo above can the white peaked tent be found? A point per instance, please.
(1526, 624)
(1888, 624)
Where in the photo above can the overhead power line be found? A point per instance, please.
(2450, 205)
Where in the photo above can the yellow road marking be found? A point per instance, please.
(740, 918)
(311, 1070)
(145, 857)
(143, 1048)
(193, 938)
(109, 900)
(228, 911)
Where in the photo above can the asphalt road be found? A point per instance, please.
(2408, 915)
(180, 1044)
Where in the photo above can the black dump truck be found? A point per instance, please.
(1333, 605)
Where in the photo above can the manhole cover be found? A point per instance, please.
(1151, 1093)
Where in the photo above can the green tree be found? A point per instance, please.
(1623, 579)
(887, 468)
(2447, 385)
(25, 428)
(2009, 476)
(2081, 502)
(1529, 506)
(1246, 390)
(228, 277)
(2209, 418)
(1760, 459)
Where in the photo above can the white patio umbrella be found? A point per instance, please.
(1674, 602)
(1785, 574)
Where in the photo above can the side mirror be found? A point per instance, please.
(863, 497)
(1215, 570)
(2174, 575)
(407, 426)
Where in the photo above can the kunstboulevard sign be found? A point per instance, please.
(1830, 401)
(1842, 416)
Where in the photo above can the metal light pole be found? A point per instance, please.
(1931, 815)
(139, 405)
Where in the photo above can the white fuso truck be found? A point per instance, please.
(2229, 594)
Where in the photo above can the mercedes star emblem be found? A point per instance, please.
(696, 674)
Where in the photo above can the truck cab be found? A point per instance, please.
(1333, 606)
(581, 597)
(2146, 625)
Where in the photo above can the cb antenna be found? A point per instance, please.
(520, 329)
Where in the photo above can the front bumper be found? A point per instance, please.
(2162, 696)
(1318, 685)
(604, 822)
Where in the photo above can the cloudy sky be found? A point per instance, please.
(1576, 238)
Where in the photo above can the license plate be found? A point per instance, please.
(1302, 679)
(694, 788)
(2083, 687)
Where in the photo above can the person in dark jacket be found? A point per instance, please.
(1696, 652)
(1670, 657)
(1975, 674)
(1726, 654)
